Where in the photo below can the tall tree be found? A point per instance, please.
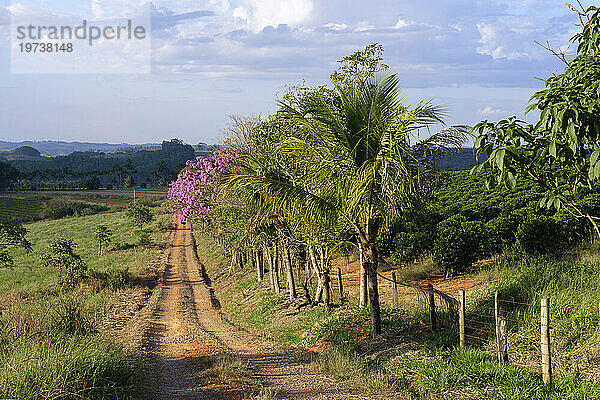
(358, 167)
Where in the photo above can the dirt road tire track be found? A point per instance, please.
(186, 323)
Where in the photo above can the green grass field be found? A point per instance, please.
(50, 346)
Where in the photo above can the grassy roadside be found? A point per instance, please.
(53, 340)
(409, 362)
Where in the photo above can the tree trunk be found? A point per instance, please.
(99, 248)
(313, 261)
(307, 266)
(325, 278)
(326, 288)
(362, 276)
(289, 273)
(259, 267)
(276, 271)
(267, 254)
(370, 263)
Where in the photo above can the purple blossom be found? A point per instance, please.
(193, 193)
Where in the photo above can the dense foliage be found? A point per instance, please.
(12, 234)
(333, 166)
(498, 219)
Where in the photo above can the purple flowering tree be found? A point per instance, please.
(194, 192)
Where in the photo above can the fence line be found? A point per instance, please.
(441, 307)
(480, 327)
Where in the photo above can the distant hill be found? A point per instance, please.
(459, 159)
(58, 148)
(20, 153)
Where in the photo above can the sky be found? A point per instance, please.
(214, 58)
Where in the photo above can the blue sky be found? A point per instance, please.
(214, 58)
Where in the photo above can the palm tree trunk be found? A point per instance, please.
(362, 276)
(313, 261)
(370, 263)
(269, 258)
(259, 267)
(275, 271)
(288, 270)
(325, 278)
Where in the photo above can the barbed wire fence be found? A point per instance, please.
(483, 322)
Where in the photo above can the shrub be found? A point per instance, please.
(572, 230)
(144, 238)
(458, 244)
(139, 213)
(62, 256)
(413, 236)
(539, 234)
(500, 231)
(56, 209)
(93, 183)
(103, 236)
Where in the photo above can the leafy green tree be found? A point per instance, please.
(561, 152)
(161, 173)
(61, 255)
(359, 65)
(12, 234)
(93, 183)
(9, 175)
(458, 244)
(103, 236)
(129, 182)
(139, 213)
(358, 163)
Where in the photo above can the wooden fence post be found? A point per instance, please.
(432, 320)
(340, 286)
(394, 290)
(545, 341)
(461, 316)
(501, 337)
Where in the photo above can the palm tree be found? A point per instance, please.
(357, 161)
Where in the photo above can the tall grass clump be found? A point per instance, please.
(52, 350)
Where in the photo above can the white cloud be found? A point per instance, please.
(364, 26)
(336, 27)
(96, 9)
(402, 23)
(493, 37)
(489, 110)
(258, 14)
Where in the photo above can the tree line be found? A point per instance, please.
(94, 170)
